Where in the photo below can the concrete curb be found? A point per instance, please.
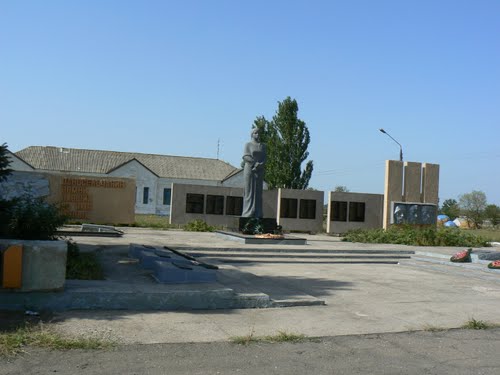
(222, 298)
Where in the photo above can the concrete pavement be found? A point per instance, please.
(360, 298)
(455, 352)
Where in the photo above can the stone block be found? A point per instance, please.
(412, 181)
(44, 264)
(430, 183)
(393, 190)
(135, 250)
(176, 273)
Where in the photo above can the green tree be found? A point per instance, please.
(472, 205)
(450, 208)
(287, 138)
(4, 162)
(492, 213)
(341, 189)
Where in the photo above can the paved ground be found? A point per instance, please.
(456, 352)
(360, 298)
(366, 306)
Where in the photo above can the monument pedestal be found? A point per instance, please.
(248, 225)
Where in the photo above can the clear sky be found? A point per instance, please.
(174, 77)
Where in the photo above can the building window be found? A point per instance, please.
(215, 204)
(338, 211)
(234, 206)
(307, 209)
(194, 203)
(167, 195)
(288, 208)
(357, 211)
(145, 196)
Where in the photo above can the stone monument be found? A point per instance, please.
(254, 158)
(252, 219)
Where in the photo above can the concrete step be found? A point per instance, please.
(356, 260)
(282, 293)
(287, 250)
(106, 295)
(305, 256)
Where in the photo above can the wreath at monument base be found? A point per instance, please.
(462, 256)
(270, 235)
(253, 226)
(494, 265)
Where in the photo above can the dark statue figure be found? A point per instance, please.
(254, 157)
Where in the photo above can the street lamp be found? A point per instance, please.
(400, 147)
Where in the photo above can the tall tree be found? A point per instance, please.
(450, 208)
(4, 162)
(492, 213)
(287, 138)
(341, 189)
(472, 205)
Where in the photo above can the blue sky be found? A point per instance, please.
(174, 77)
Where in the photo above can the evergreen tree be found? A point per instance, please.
(287, 138)
(451, 208)
(4, 162)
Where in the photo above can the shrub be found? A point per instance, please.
(408, 235)
(198, 226)
(30, 218)
(82, 266)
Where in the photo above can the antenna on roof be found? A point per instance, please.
(218, 147)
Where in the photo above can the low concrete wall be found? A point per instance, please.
(373, 214)
(44, 264)
(310, 224)
(178, 214)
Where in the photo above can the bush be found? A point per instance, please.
(408, 235)
(29, 218)
(198, 226)
(82, 266)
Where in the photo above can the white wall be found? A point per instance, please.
(17, 164)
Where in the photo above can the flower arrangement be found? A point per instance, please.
(462, 256)
(494, 265)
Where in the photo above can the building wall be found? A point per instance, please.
(146, 179)
(17, 164)
(297, 223)
(143, 178)
(99, 200)
(372, 215)
(270, 202)
(236, 180)
(178, 214)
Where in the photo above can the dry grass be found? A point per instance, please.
(44, 336)
(281, 336)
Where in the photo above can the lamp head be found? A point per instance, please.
(382, 130)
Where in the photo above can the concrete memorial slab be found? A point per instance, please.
(171, 266)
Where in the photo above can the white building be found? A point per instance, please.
(154, 174)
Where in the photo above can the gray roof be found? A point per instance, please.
(96, 161)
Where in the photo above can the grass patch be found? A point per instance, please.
(43, 336)
(198, 226)
(490, 234)
(431, 328)
(154, 221)
(82, 266)
(281, 336)
(478, 324)
(407, 235)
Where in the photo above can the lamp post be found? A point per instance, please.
(400, 147)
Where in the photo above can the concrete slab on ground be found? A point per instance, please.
(360, 298)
